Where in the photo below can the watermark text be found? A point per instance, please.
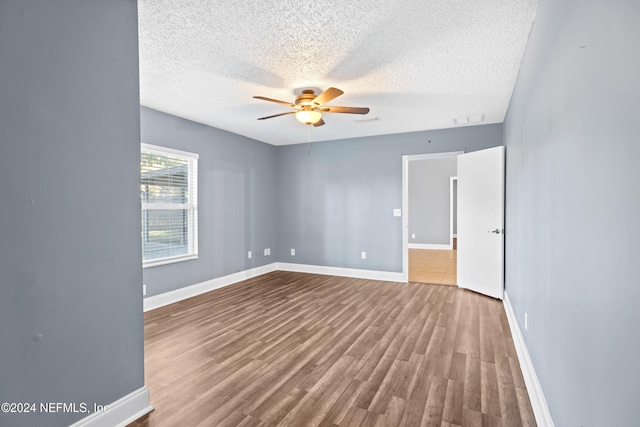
(52, 407)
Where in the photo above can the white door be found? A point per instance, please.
(481, 221)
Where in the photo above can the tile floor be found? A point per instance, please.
(433, 266)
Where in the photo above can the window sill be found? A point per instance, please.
(164, 261)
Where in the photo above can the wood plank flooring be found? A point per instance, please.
(294, 349)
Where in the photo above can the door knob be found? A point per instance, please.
(496, 231)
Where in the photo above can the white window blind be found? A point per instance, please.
(169, 192)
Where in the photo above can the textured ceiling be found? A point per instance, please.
(417, 64)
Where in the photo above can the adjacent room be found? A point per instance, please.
(315, 213)
(432, 200)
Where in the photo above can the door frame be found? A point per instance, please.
(452, 180)
(406, 159)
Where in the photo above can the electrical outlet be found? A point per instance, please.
(526, 321)
(269, 251)
(364, 255)
(413, 235)
(293, 252)
(144, 289)
(249, 254)
(266, 251)
(397, 212)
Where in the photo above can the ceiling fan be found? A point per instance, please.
(309, 106)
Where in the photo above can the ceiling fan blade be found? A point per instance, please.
(275, 100)
(318, 123)
(277, 115)
(349, 110)
(327, 96)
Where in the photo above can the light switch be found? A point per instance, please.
(397, 212)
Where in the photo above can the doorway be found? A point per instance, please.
(429, 256)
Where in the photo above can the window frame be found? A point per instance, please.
(192, 206)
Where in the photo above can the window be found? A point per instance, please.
(169, 192)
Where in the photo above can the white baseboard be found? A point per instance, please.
(157, 301)
(538, 402)
(121, 412)
(430, 246)
(386, 276)
(171, 297)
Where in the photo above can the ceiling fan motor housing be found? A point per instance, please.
(305, 98)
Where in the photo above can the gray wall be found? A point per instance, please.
(70, 265)
(338, 200)
(430, 200)
(237, 200)
(573, 203)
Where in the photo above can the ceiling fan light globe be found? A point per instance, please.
(307, 117)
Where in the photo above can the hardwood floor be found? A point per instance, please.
(294, 349)
(438, 267)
